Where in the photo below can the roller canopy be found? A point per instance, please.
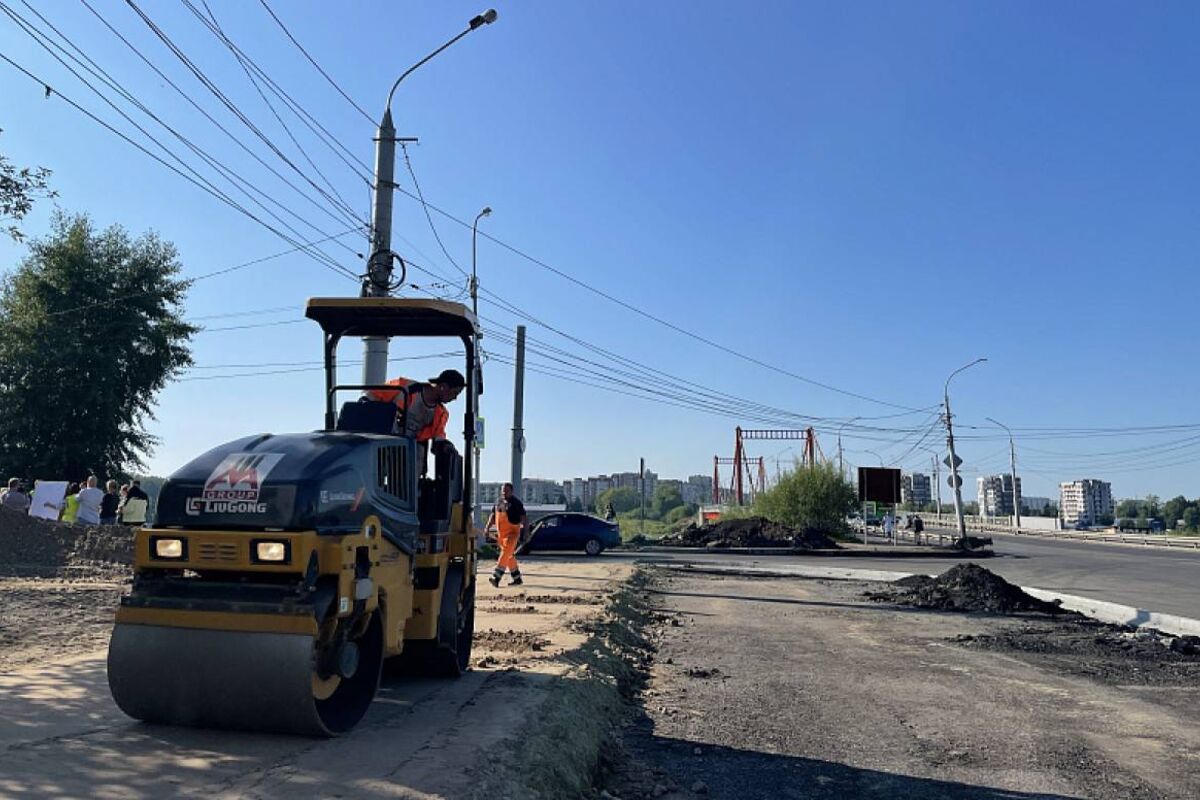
(390, 316)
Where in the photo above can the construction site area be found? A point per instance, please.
(636, 676)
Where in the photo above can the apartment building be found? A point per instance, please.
(1086, 501)
(995, 495)
(916, 488)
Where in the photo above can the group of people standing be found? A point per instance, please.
(88, 504)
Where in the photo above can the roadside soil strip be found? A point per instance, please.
(62, 736)
(786, 688)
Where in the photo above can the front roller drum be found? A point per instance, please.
(239, 680)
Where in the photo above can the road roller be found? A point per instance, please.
(283, 570)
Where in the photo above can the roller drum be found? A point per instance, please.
(235, 679)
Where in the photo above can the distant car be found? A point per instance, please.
(572, 531)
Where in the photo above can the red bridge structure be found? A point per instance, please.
(749, 475)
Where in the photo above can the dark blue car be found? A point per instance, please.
(572, 531)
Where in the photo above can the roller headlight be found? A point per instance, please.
(268, 552)
(166, 548)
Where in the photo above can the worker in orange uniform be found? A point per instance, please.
(510, 519)
(426, 415)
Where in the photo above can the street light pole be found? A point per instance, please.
(486, 212)
(1012, 465)
(955, 480)
(378, 282)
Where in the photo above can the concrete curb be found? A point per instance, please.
(793, 551)
(1101, 610)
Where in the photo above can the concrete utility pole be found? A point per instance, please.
(954, 479)
(642, 478)
(1012, 466)
(486, 212)
(518, 432)
(378, 282)
(937, 484)
(841, 468)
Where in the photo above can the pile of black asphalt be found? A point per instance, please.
(749, 532)
(964, 587)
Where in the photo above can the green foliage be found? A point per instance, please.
(816, 497)
(619, 500)
(1191, 518)
(18, 189)
(666, 499)
(91, 330)
(679, 513)
(575, 505)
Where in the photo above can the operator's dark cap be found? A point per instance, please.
(450, 377)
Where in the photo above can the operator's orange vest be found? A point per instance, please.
(435, 429)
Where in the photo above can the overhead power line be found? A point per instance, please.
(198, 182)
(651, 316)
(313, 61)
(318, 204)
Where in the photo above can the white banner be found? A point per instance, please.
(48, 499)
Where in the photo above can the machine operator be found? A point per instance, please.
(426, 415)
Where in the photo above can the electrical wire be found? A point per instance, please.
(650, 316)
(313, 61)
(197, 182)
(188, 98)
(100, 74)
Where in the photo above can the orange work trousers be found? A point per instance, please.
(508, 537)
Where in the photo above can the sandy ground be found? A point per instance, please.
(770, 688)
(62, 736)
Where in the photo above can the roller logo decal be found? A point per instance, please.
(234, 486)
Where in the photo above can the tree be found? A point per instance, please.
(814, 497)
(1191, 518)
(619, 500)
(18, 189)
(1173, 510)
(575, 505)
(665, 499)
(90, 332)
(1127, 508)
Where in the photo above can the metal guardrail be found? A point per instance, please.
(1146, 539)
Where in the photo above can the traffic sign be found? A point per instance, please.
(957, 462)
(955, 481)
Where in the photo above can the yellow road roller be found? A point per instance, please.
(282, 570)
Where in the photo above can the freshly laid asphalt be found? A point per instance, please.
(1154, 579)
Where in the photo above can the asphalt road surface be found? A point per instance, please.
(1149, 578)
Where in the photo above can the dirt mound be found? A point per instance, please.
(36, 547)
(748, 532)
(511, 641)
(964, 587)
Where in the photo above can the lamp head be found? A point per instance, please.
(486, 18)
(487, 211)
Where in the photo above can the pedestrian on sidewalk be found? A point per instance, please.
(510, 520)
(889, 525)
(14, 497)
(71, 504)
(90, 499)
(109, 503)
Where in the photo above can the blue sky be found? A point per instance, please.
(867, 195)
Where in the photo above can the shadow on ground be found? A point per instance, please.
(744, 774)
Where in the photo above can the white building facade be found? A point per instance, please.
(1087, 501)
(996, 495)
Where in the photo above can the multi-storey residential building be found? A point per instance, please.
(995, 493)
(539, 491)
(697, 490)
(1086, 501)
(489, 493)
(1033, 504)
(915, 488)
